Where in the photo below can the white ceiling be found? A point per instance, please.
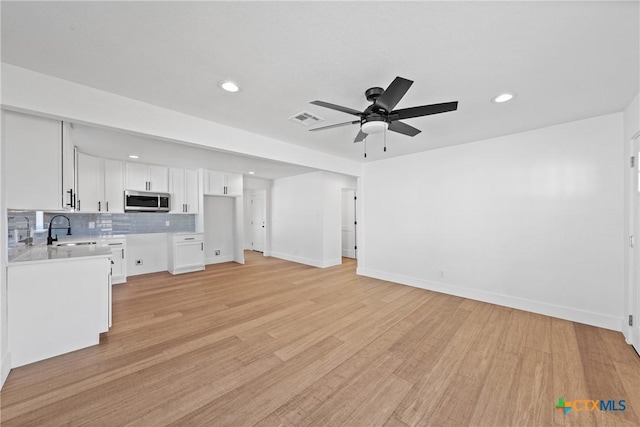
(566, 61)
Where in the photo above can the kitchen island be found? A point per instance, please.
(59, 300)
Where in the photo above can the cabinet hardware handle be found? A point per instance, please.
(79, 204)
(122, 253)
(107, 205)
(70, 192)
(114, 244)
(189, 238)
(202, 246)
(99, 205)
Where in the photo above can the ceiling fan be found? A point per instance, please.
(380, 115)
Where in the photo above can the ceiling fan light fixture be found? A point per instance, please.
(503, 97)
(229, 86)
(376, 126)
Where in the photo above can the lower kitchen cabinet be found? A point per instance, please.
(185, 252)
(118, 248)
(57, 307)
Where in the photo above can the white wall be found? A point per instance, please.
(532, 220)
(219, 220)
(151, 249)
(632, 118)
(306, 218)
(296, 219)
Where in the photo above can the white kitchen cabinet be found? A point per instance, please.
(35, 154)
(184, 191)
(222, 184)
(118, 248)
(100, 185)
(185, 252)
(57, 307)
(144, 177)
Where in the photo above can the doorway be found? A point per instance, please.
(349, 241)
(258, 221)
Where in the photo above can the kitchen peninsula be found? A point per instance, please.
(60, 299)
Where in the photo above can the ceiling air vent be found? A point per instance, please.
(306, 118)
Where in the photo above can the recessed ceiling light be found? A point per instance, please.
(229, 86)
(503, 97)
(133, 156)
(251, 173)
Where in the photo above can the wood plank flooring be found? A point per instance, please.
(274, 343)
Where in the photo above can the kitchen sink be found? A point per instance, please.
(75, 243)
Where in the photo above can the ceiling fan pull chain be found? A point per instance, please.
(385, 140)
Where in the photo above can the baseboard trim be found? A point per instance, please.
(307, 261)
(5, 368)
(218, 259)
(553, 310)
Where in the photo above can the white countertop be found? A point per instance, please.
(44, 253)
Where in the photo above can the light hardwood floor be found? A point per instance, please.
(276, 343)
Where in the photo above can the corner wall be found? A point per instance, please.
(306, 218)
(532, 221)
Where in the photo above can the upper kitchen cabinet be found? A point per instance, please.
(222, 184)
(143, 177)
(39, 163)
(184, 191)
(100, 186)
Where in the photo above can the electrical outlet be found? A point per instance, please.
(441, 274)
(138, 262)
(167, 223)
(217, 252)
(92, 224)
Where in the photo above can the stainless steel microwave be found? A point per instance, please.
(144, 201)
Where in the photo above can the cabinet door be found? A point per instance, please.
(188, 254)
(32, 163)
(177, 191)
(214, 182)
(234, 184)
(113, 186)
(90, 191)
(118, 266)
(192, 198)
(159, 178)
(68, 167)
(136, 176)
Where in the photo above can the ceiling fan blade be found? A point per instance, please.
(404, 128)
(337, 125)
(337, 107)
(360, 136)
(393, 94)
(424, 110)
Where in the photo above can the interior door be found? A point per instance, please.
(632, 294)
(349, 223)
(258, 221)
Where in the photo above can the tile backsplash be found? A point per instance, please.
(91, 224)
